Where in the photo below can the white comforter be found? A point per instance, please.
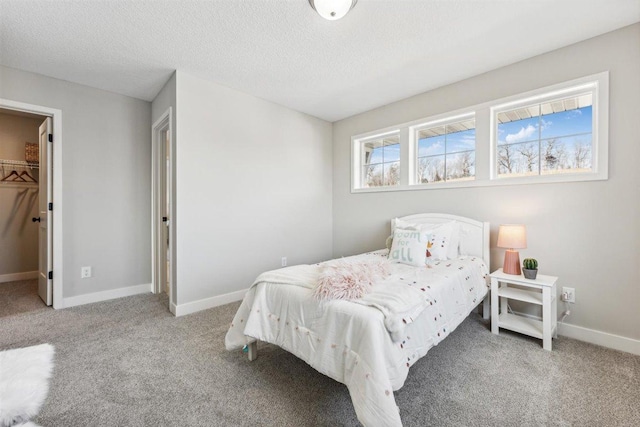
(369, 345)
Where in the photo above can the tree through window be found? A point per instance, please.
(381, 161)
(551, 137)
(446, 152)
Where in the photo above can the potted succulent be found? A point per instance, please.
(530, 268)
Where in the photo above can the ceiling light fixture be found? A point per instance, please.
(332, 9)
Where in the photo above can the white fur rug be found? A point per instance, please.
(24, 383)
(349, 280)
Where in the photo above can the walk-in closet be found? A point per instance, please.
(19, 212)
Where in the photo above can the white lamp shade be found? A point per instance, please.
(332, 9)
(512, 236)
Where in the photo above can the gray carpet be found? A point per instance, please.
(129, 362)
(23, 295)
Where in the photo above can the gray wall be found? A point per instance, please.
(106, 173)
(587, 233)
(18, 202)
(253, 185)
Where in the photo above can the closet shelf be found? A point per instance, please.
(22, 163)
(18, 172)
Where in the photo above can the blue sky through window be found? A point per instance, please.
(454, 142)
(572, 122)
(549, 143)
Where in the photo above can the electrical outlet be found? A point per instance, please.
(569, 294)
(284, 261)
(85, 272)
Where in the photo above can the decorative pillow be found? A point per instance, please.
(440, 240)
(24, 382)
(445, 238)
(409, 246)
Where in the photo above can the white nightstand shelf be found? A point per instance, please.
(541, 291)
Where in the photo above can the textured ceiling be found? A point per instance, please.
(282, 51)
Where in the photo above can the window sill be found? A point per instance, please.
(494, 182)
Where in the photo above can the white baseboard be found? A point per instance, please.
(604, 339)
(27, 275)
(203, 304)
(107, 295)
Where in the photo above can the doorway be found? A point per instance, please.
(47, 216)
(25, 192)
(162, 209)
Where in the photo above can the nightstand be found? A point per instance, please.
(541, 291)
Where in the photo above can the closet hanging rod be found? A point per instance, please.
(22, 163)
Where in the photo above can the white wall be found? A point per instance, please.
(587, 233)
(18, 202)
(253, 185)
(106, 162)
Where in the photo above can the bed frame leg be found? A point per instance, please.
(486, 307)
(253, 351)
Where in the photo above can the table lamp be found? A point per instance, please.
(511, 237)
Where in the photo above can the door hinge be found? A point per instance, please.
(50, 206)
(51, 275)
(50, 137)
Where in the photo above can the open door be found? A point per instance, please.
(45, 282)
(163, 242)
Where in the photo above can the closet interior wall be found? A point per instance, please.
(18, 197)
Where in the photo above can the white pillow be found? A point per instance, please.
(397, 222)
(441, 240)
(448, 232)
(409, 246)
(453, 251)
(445, 238)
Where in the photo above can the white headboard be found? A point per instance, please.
(474, 235)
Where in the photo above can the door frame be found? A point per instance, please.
(55, 164)
(158, 163)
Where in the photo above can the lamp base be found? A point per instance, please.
(511, 262)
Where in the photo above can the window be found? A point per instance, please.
(557, 133)
(446, 152)
(380, 164)
(550, 137)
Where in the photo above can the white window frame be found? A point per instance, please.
(413, 147)
(486, 142)
(598, 86)
(356, 155)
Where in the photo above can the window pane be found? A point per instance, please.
(372, 152)
(461, 141)
(518, 125)
(570, 154)
(520, 113)
(383, 150)
(430, 169)
(392, 173)
(431, 146)
(519, 159)
(518, 131)
(569, 122)
(455, 142)
(372, 176)
(391, 150)
(461, 166)
(431, 132)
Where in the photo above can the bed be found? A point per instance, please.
(370, 343)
